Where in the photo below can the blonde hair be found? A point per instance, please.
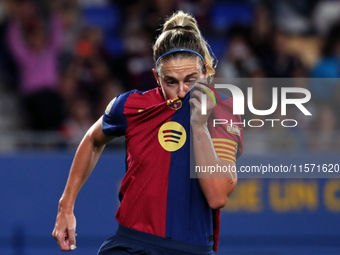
(180, 31)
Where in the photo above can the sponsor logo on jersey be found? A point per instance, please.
(172, 136)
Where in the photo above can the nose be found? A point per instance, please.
(183, 89)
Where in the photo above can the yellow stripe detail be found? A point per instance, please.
(224, 145)
(226, 155)
(227, 159)
(224, 140)
(224, 150)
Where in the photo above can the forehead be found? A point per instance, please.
(180, 66)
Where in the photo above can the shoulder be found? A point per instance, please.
(153, 95)
(120, 100)
(125, 105)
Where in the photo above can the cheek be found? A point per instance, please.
(169, 92)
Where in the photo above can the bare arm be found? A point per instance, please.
(84, 162)
(56, 33)
(218, 186)
(15, 41)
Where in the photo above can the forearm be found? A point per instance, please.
(56, 33)
(84, 162)
(15, 41)
(217, 186)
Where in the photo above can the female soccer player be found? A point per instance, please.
(162, 209)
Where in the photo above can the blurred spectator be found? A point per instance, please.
(261, 30)
(36, 52)
(239, 61)
(8, 71)
(72, 24)
(109, 91)
(2, 11)
(328, 67)
(139, 60)
(100, 48)
(154, 10)
(327, 139)
(290, 16)
(79, 121)
(202, 12)
(68, 86)
(89, 72)
(279, 62)
(93, 3)
(326, 13)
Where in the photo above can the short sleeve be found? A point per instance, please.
(226, 131)
(114, 120)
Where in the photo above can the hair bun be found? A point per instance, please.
(180, 31)
(180, 27)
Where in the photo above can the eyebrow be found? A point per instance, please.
(170, 77)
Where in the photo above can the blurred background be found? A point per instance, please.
(62, 61)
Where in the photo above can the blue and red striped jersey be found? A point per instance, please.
(157, 194)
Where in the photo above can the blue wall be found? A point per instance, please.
(285, 216)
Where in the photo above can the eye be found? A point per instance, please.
(191, 81)
(170, 82)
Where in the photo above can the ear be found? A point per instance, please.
(155, 74)
(206, 71)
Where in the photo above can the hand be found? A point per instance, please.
(197, 118)
(64, 231)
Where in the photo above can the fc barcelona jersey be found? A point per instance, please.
(157, 194)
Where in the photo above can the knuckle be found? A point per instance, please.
(59, 236)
